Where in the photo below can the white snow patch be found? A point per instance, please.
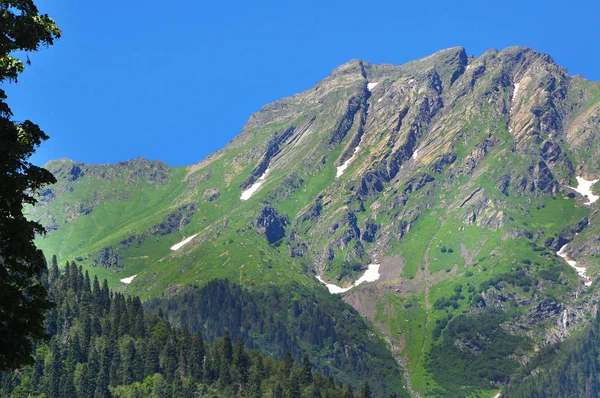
(344, 166)
(584, 188)
(252, 190)
(178, 246)
(580, 270)
(129, 279)
(371, 86)
(415, 154)
(514, 96)
(380, 99)
(515, 91)
(333, 289)
(370, 275)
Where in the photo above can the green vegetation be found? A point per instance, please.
(474, 352)
(457, 191)
(567, 369)
(103, 345)
(293, 320)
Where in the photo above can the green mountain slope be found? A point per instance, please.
(452, 174)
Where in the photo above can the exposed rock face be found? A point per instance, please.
(369, 232)
(270, 224)
(566, 235)
(273, 148)
(212, 194)
(107, 258)
(174, 221)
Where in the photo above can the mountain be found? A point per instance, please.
(452, 188)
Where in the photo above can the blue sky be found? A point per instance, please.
(178, 82)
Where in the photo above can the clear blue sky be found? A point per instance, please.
(177, 80)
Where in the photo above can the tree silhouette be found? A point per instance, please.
(23, 297)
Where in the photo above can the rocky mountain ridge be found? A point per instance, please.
(450, 171)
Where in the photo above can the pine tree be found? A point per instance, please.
(128, 363)
(55, 371)
(349, 393)
(293, 386)
(86, 282)
(170, 358)
(103, 379)
(240, 360)
(54, 271)
(224, 375)
(288, 364)
(151, 358)
(105, 297)
(86, 386)
(227, 348)
(197, 356)
(366, 390)
(306, 370)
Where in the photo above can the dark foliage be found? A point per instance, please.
(567, 369)
(22, 297)
(296, 320)
(475, 352)
(102, 345)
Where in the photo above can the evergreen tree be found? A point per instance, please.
(293, 386)
(349, 393)
(366, 390)
(288, 364)
(54, 374)
(306, 370)
(227, 348)
(86, 386)
(54, 271)
(240, 360)
(103, 379)
(197, 356)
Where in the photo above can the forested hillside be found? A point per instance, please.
(103, 345)
(567, 369)
(294, 320)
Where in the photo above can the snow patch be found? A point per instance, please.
(580, 270)
(515, 91)
(247, 194)
(584, 188)
(333, 289)
(380, 99)
(514, 97)
(370, 275)
(129, 279)
(178, 246)
(371, 86)
(344, 166)
(415, 154)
